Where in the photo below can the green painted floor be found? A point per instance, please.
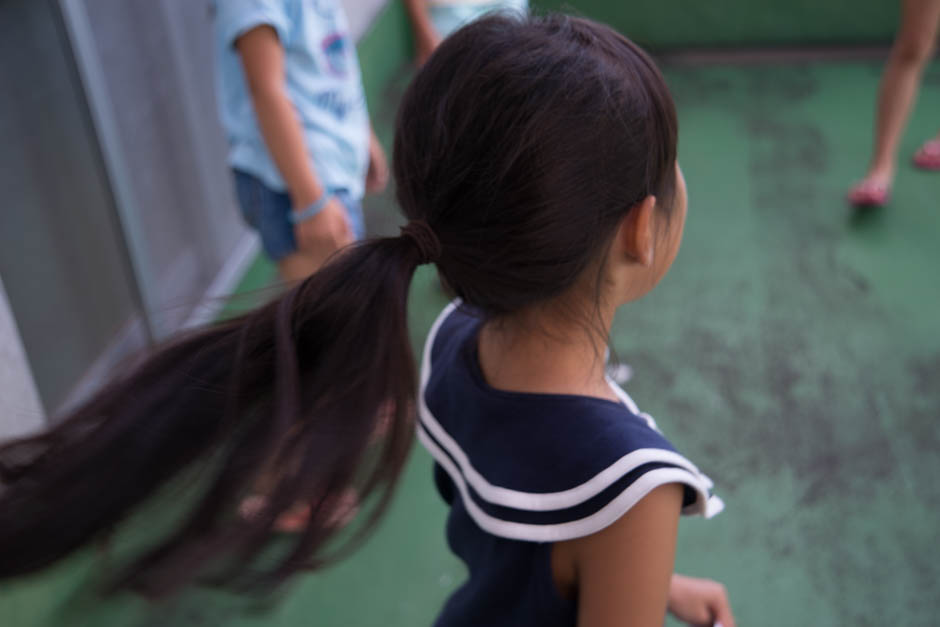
(793, 352)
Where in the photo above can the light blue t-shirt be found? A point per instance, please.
(323, 83)
(449, 15)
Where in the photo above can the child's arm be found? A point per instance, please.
(623, 572)
(262, 57)
(699, 601)
(426, 37)
(377, 176)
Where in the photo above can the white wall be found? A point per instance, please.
(361, 13)
(20, 409)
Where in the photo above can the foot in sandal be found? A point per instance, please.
(928, 157)
(870, 192)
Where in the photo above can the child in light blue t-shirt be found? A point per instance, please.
(292, 105)
(433, 20)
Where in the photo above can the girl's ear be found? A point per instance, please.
(636, 234)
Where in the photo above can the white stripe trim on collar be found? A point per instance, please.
(592, 523)
(543, 501)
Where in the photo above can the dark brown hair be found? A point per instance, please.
(522, 143)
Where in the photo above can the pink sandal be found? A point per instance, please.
(928, 157)
(869, 194)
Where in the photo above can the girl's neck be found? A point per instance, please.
(541, 354)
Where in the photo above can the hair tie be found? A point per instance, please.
(421, 233)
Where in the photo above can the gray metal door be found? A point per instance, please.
(117, 216)
(147, 66)
(61, 252)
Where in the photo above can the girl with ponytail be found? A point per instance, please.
(535, 161)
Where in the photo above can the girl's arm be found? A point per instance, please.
(262, 57)
(699, 601)
(426, 37)
(377, 176)
(623, 572)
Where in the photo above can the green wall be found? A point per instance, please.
(731, 23)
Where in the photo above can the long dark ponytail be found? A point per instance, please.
(520, 146)
(295, 390)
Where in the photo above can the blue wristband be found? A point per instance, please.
(296, 217)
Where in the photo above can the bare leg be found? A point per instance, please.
(341, 509)
(910, 53)
(294, 520)
(928, 157)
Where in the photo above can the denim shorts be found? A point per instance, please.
(268, 211)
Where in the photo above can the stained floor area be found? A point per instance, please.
(793, 353)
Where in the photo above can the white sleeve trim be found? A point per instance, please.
(588, 525)
(236, 22)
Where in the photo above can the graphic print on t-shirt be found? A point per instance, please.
(334, 51)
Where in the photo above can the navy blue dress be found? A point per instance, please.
(521, 471)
